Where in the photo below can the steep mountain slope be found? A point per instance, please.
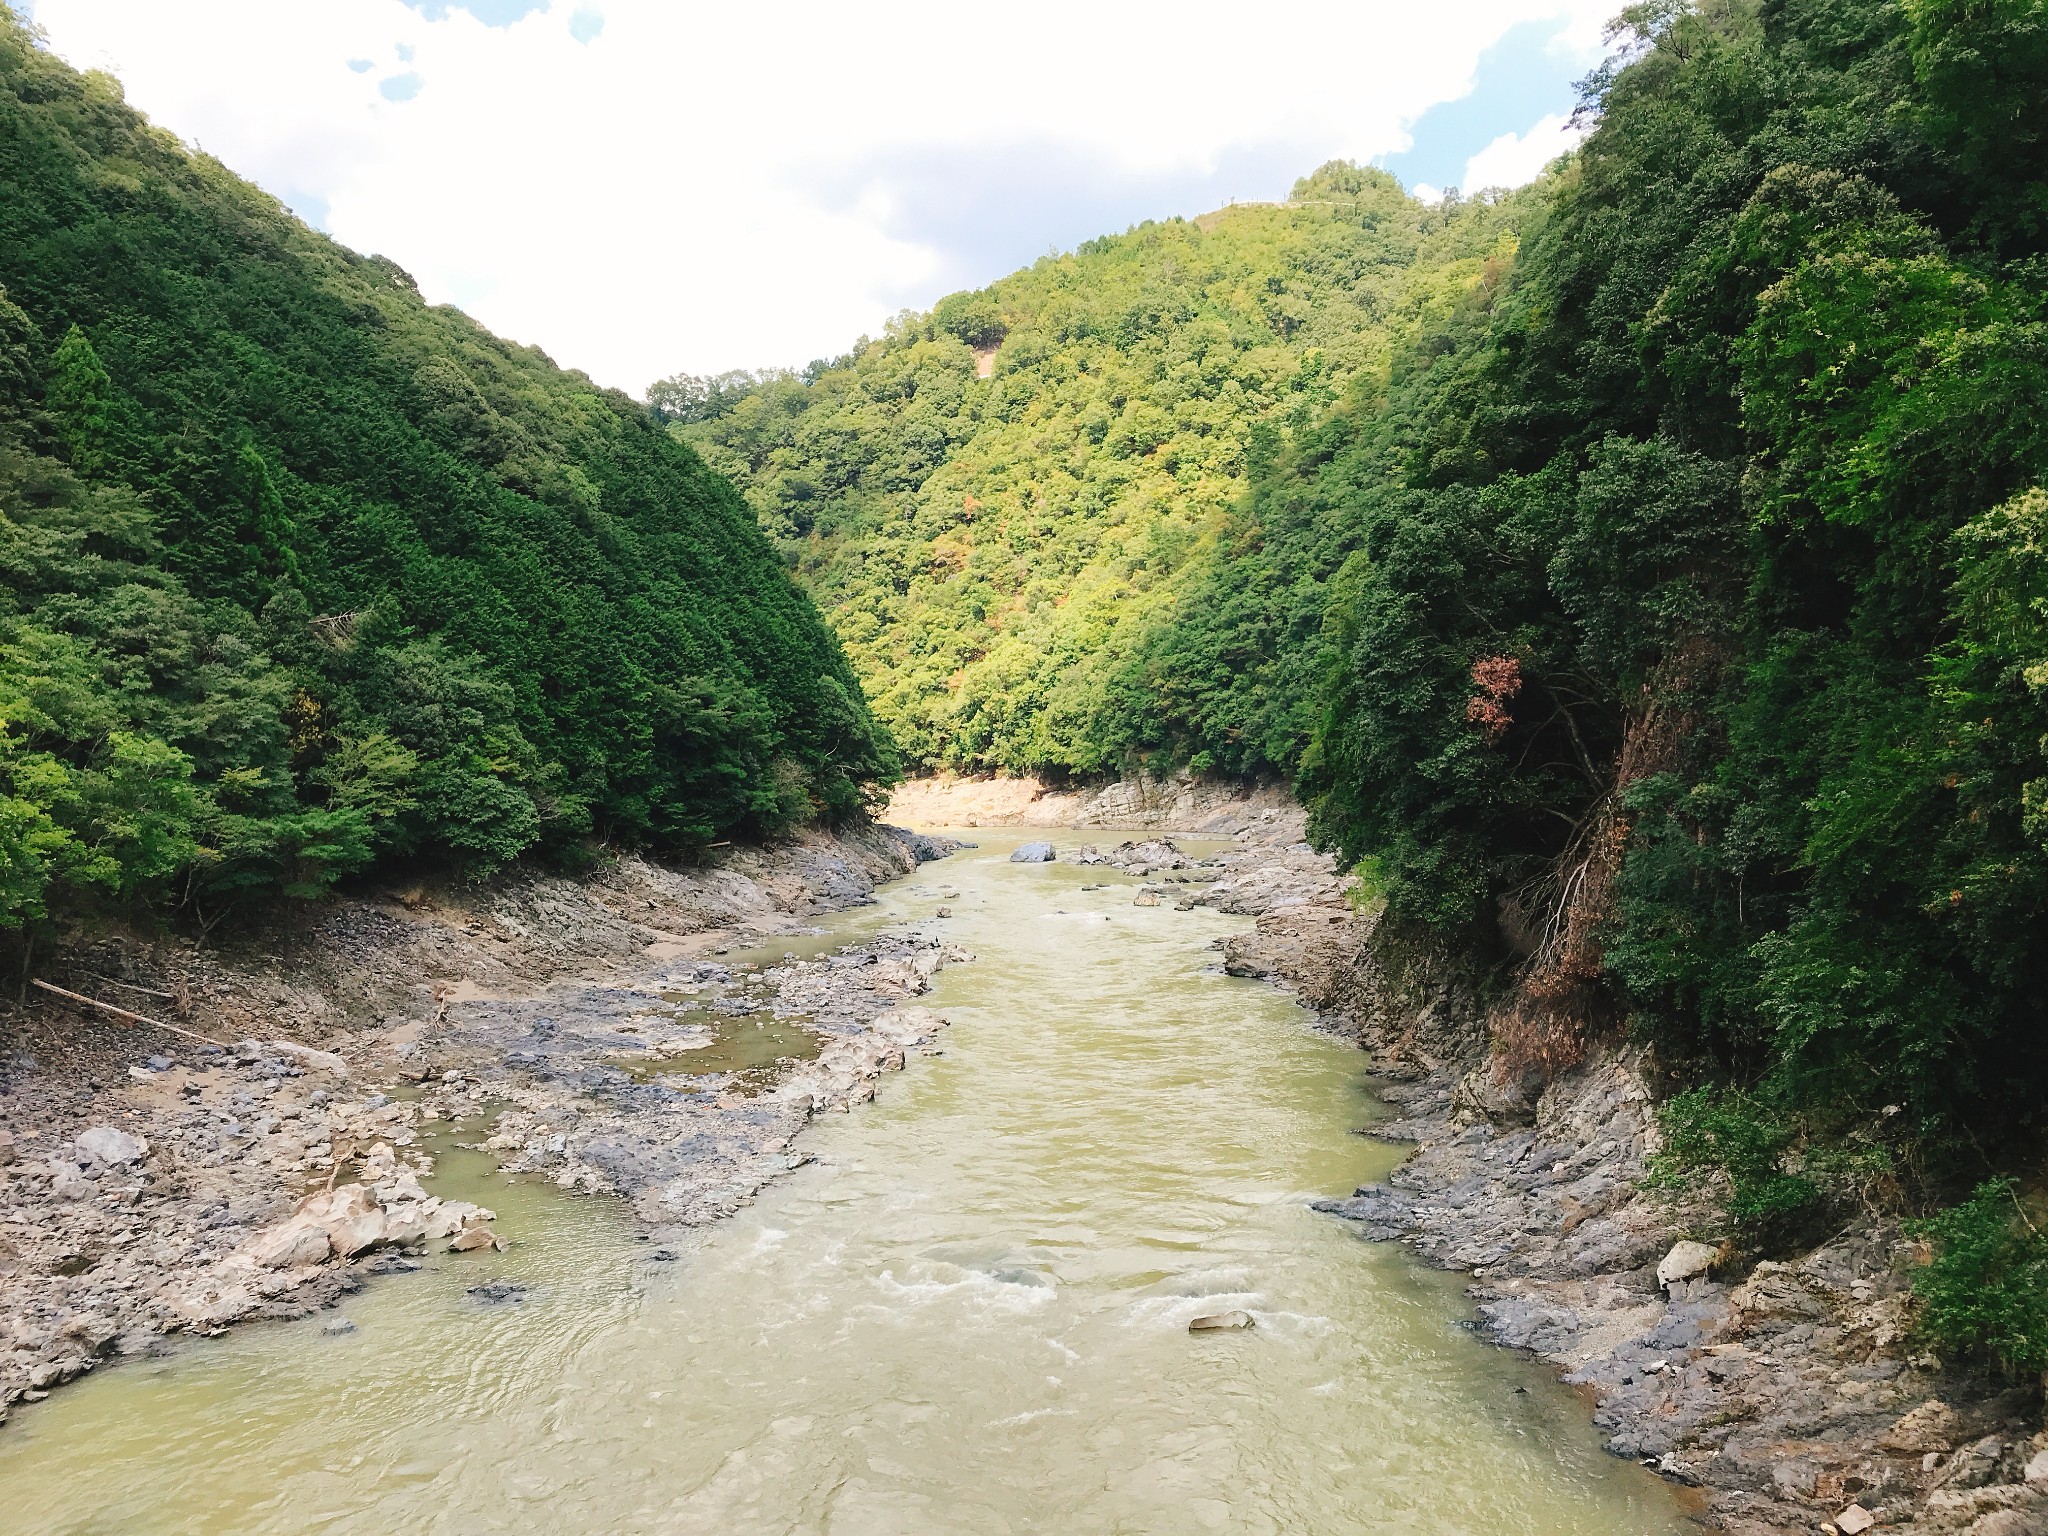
(1021, 512)
(1695, 658)
(301, 572)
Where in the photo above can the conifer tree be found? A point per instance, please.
(80, 398)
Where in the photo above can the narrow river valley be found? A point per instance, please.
(967, 1314)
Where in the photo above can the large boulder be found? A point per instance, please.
(290, 1245)
(350, 1216)
(1034, 853)
(112, 1147)
(300, 1055)
(1148, 857)
(1686, 1261)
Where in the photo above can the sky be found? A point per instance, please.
(643, 187)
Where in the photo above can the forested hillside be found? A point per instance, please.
(1647, 573)
(300, 573)
(1023, 511)
(1695, 651)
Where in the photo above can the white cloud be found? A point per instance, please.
(703, 187)
(1515, 159)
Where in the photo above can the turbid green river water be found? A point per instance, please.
(968, 1316)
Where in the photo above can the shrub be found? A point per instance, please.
(1984, 1295)
(1732, 1136)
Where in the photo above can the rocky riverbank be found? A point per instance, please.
(1787, 1392)
(152, 1183)
(603, 1035)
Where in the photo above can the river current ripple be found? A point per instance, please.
(968, 1315)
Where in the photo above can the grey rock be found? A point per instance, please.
(1034, 853)
(111, 1147)
(67, 1183)
(2010, 1522)
(335, 1327)
(1686, 1261)
(1216, 1322)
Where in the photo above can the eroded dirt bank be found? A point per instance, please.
(1788, 1392)
(152, 1184)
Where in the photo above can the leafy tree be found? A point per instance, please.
(1025, 513)
(1734, 475)
(297, 573)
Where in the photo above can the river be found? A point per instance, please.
(967, 1315)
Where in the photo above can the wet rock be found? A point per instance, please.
(112, 1147)
(1382, 1211)
(1218, 1321)
(1686, 1261)
(1034, 853)
(336, 1327)
(1148, 857)
(496, 1292)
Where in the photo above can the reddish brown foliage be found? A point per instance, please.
(1498, 679)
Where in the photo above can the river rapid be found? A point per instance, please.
(967, 1315)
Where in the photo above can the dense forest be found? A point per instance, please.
(1646, 575)
(1020, 510)
(1643, 575)
(301, 574)
(1696, 649)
